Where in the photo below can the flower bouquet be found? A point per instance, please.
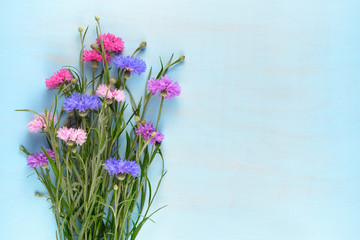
(99, 146)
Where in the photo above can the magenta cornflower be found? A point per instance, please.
(72, 135)
(40, 122)
(111, 43)
(39, 159)
(146, 130)
(94, 56)
(112, 93)
(164, 86)
(58, 78)
(117, 167)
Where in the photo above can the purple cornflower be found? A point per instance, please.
(119, 167)
(81, 102)
(146, 130)
(39, 159)
(164, 86)
(131, 64)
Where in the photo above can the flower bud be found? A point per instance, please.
(163, 93)
(137, 119)
(38, 195)
(83, 114)
(116, 187)
(45, 166)
(74, 150)
(74, 81)
(97, 18)
(80, 29)
(47, 130)
(70, 143)
(143, 44)
(153, 134)
(127, 74)
(108, 101)
(95, 47)
(182, 58)
(22, 149)
(113, 80)
(95, 64)
(120, 176)
(143, 122)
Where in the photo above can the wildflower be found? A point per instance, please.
(110, 93)
(111, 43)
(131, 64)
(81, 102)
(58, 78)
(147, 130)
(94, 56)
(39, 122)
(164, 86)
(72, 135)
(39, 159)
(117, 167)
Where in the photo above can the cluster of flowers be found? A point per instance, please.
(112, 45)
(82, 103)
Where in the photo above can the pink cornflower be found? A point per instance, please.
(94, 56)
(112, 93)
(38, 123)
(111, 43)
(73, 135)
(79, 136)
(58, 78)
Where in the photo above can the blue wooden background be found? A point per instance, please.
(263, 143)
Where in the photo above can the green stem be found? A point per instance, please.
(93, 80)
(104, 55)
(158, 119)
(81, 56)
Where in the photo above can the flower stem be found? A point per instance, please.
(158, 119)
(103, 53)
(93, 80)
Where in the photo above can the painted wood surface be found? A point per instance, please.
(263, 143)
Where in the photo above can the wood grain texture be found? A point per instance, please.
(263, 143)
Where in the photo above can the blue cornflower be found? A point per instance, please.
(117, 167)
(81, 102)
(131, 64)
